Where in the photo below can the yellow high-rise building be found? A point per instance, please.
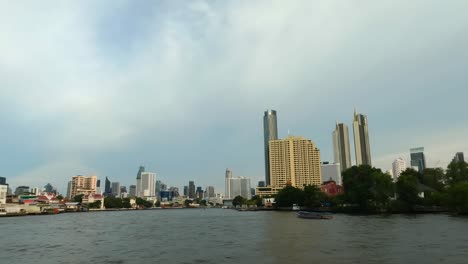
(296, 161)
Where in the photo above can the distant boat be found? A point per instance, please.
(296, 207)
(313, 215)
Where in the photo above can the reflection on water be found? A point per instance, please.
(226, 236)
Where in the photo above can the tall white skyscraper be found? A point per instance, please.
(147, 183)
(237, 186)
(398, 166)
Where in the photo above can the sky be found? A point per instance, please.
(102, 87)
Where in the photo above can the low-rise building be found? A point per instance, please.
(267, 191)
(330, 188)
(92, 198)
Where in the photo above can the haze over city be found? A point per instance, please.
(104, 87)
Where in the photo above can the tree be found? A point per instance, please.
(60, 197)
(457, 199)
(256, 200)
(368, 188)
(126, 203)
(313, 196)
(96, 204)
(203, 202)
(157, 204)
(434, 178)
(457, 172)
(78, 198)
(288, 196)
(239, 200)
(407, 187)
(143, 203)
(112, 202)
(187, 202)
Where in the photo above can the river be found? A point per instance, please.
(227, 236)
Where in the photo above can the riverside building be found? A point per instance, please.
(83, 185)
(296, 161)
(236, 186)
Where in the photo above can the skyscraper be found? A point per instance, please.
(459, 157)
(132, 190)
(115, 189)
(295, 161)
(139, 191)
(147, 184)
(341, 149)
(227, 182)
(210, 192)
(191, 190)
(185, 190)
(361, 140)
(3, 180)
(69, 185)
(236, 186)
(107, 186)
(418, 160)
(398, 166)
(270, 132)
(157, 188)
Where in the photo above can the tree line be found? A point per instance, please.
(369, 190)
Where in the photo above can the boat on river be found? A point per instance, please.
(314, 215)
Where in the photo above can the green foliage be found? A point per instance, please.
(203, 202)
(239, 200)
(78, 198)
(187, 202)
(368, 188)
(457, 199)
(407, 187)
(126, 203)
(113, 202)
(95, 205)
(157, 204)
(288, 196)
(143, 203)
(256, 200)
(59, 197)
(457, 172)
(313, 197)
(433, 178)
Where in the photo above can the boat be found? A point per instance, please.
(313, 215)
(296, 207)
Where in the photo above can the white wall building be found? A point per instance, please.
(3, 193)
(236, 186)
(399, 166)
(331, 171)
(147, 185)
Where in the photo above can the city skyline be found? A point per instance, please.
(82, 91)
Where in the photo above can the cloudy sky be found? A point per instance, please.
(100, 87)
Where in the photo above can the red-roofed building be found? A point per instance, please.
(330, 188)
(92, 198)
